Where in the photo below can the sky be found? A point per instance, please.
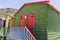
(18, 3)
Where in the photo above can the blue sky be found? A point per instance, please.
(18, 3)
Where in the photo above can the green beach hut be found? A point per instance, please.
(46, 21)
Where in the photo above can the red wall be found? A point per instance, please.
(21, 21)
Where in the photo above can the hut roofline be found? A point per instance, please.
(41, 2)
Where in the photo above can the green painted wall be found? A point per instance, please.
(40, 15)
(45, 19)
(59, 18)
(27, 9)
(53, 25)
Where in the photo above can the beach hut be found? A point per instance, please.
(46, 22)
(2, 26)
(9, 22)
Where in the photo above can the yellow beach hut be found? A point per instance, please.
(9, 22)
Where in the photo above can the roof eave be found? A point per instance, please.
(29, 3)
(51, 6)
(41, 2)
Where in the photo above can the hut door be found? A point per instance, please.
(21, 21)
(30, 21)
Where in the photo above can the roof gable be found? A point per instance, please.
(42, 2)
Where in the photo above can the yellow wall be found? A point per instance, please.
(6, 24)
(12, 22)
